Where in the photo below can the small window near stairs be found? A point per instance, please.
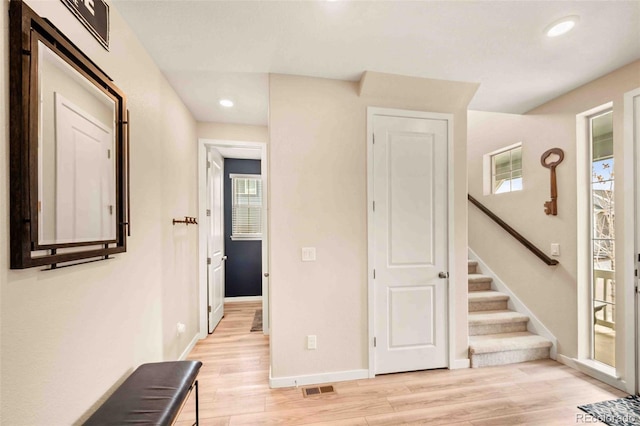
(503, 170)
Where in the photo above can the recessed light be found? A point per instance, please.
(226, 103)
(562, 26)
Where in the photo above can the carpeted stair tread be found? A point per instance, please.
(487, 296)
(479, 278)
(496, 317)
(497, 335)
(506, 342)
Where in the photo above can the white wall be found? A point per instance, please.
(233, 132)
(318, 187)
(69, 336)
(317, 158)
(550, 292)
(544, 289)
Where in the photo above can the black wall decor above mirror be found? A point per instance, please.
(69, 165)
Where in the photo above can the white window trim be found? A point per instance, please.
(593, 368)
(245, 175)
(245, 237)
(487, 175)
(252, 237)
(630, 227)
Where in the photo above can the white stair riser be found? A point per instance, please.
(480, 286)
(497, 305)
(506, 327)
(508, 357)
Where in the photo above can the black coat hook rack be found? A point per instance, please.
(188, 220)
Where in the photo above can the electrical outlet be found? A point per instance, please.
(181, 328)
(312, 341)
(555, 249)
(308, 254)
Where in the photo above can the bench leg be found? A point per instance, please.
(197, 407)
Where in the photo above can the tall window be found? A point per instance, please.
(246, 199)
(505, 169)
(603, 238)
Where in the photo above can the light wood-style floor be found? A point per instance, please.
(605, 345)
(234, 390)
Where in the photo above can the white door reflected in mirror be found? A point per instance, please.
(85, 190)
(77, 168)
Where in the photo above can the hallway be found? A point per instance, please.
(234, 390)
(234, 378)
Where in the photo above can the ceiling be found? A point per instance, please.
(225, 49)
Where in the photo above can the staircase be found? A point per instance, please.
(497, 335)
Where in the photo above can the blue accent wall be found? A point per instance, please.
(243, 270)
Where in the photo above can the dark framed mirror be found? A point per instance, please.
(68, 150)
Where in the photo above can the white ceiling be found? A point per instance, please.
(214, 49)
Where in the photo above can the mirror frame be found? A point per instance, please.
(26, 28)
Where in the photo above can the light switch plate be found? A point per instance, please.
(312, 342)
(555, 249)
(308, 254)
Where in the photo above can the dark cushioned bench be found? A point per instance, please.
(151, 395)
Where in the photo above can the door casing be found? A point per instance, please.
(451, 326)
(203, 144)
(631, 249)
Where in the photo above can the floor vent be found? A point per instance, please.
(317, 390)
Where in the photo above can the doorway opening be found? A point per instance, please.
(243, 198)
(245, 220)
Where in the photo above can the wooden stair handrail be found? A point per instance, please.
(515, 234)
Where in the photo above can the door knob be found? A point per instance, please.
(266, 275)
(224, 258)
(443, 275)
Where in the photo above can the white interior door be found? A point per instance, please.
(84, 176)
(410, 243)
(215, 239)
(266, 315)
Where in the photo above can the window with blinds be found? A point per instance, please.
(506, 170)
(246, 210)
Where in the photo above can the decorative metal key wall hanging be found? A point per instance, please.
(551, 207)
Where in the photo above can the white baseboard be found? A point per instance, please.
(460, 363)
(603, 373)
(314, 379)
(189, 347)
(515, 304)
(243, 299)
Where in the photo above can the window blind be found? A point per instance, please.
(506, 170)
(246, 221)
